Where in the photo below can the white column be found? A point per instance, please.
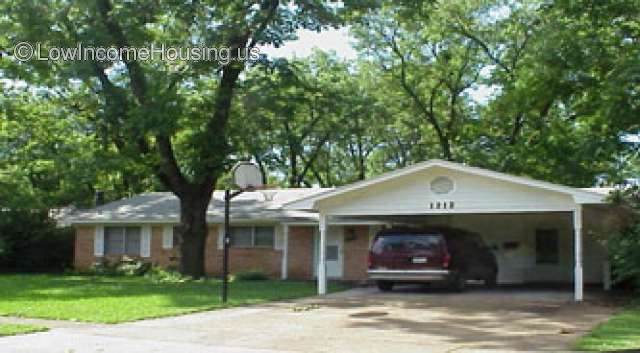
(285, 251)
(577, 229)
(322, 255)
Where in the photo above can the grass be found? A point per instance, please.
(621, 332)
(120, 299)
(14, 329)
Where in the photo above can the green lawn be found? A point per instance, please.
(118, 299)
(13, 329)
(620, 332)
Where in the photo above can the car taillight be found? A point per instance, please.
(446, 261)
(370, 260)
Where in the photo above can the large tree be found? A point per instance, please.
(169, 117)
(292, 110)
(433, 66)
(559, 81)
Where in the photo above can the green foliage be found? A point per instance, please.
(3, 247)
(128, 267)
(555, 105)
(624, 246)
(123, 267)
(250, 275)
(166, 275)
(621, 333)
(119, 299)
(31, 242)
(624, 249)
(161, 118)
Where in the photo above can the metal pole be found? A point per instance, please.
(225, 261)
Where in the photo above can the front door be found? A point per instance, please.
(334, 252)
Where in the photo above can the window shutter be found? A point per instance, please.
(98, 241)
(167, 237)
(145, 241)
(220, 236)
(279, 237)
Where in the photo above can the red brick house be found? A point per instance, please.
(280, 231)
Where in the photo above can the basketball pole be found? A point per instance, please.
(228, 195)
(247, 177)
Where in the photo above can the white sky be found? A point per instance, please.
(337, 40)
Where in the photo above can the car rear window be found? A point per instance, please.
(407, 242)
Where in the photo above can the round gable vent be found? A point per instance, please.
(441, 185)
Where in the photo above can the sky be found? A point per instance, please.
(337, 40)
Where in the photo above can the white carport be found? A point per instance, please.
(439, 187)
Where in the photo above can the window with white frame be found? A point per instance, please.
(122, 240)
(252, 237)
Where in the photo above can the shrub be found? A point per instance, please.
(123, 267)
(129, 267)
(624, 250)
(31, 242)
(102, 268)
(166, 275)
(624, 246)
(251, 275)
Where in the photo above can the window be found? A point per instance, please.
(252, 237)
(404, 242)
(122, 241)
(264, 236)
(547, 246)
(332, 253)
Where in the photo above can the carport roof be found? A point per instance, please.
(580, 196)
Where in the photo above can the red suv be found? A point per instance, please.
(447, 255)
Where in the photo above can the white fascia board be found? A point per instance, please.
(122, 221)
(501, 210)
(340, 223)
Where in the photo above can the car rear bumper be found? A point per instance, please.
(409, 275)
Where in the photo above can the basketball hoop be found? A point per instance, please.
(247, 176)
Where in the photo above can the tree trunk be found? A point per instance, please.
(193, 216)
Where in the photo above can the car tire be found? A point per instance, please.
(490, 282)
(457, 282)
(385, 286)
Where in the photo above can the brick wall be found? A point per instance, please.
(83, 253)
(356, 249)
(241, 259)
(300, 262)
(159, 255)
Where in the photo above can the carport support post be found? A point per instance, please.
(577, 229)
(322, 255)
(285, 251)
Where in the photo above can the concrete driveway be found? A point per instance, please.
(360, 320)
